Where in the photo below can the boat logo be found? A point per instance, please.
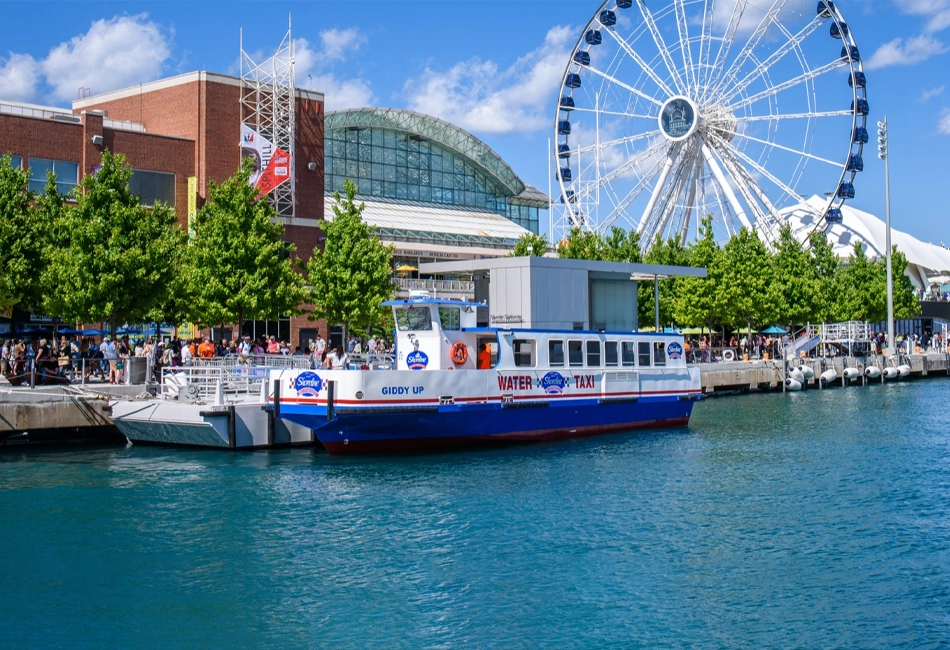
(674, 351)
(553, 383)
(417, 360)
(308, 384)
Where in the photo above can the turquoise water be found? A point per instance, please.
(817, 519)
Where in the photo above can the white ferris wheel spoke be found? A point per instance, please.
(660, 44)
(640, 62)
(667, 167)
(746, 52)
(789, 46)
(683, 30)
(790, 83)
(790, 150)
(725, 44)
(762, 170)
(615, 113)
(794, 116)
(633, 163)
(613, 143)
(620, 206)
(672, 194)
(621, 84)
(725, 186)
(744, 182)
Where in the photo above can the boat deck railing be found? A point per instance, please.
(234, 375)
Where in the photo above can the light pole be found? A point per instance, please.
(882, 154)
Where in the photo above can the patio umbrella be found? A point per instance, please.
(775, 329)
(406, 268)
(128, 330)
(94, 332)
(68, 330)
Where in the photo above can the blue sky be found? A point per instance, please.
(491, 67)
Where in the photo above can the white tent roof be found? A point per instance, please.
(924, 260)
(434, 218)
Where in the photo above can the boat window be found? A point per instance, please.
(450, 318)
(610, 354)
(659, 353)
(593, 354)
(643, 349)
(413, 318)
(523, 350)
(575, 353)
(628, 356)
(555, 353)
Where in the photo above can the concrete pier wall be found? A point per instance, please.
(770, 375)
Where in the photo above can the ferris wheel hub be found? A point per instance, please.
(678, 118)
(720, 121)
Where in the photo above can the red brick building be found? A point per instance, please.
(171, 130)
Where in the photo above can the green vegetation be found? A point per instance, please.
(238, 267)
(747, 286)
(530, 245)
(23, 239)
(108, 257)
(352, 275)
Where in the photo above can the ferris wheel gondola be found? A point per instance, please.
(673, 109)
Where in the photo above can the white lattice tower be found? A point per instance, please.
(268, 106)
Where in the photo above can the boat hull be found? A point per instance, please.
(417, 428)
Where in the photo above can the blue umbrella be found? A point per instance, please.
(94, 333)
(129, 330)
(775, 329)
(68, 330)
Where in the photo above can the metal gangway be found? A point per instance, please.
(234, 375)
(846, 336)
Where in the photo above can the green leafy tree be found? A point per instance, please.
(696, 300)
(743, 293)
(239, 266)
(794, 287)
(862, 294)
(23, 238)
(827, 270)
(668, 252)
(581, 245)
(906, 304)
(621, 246)
(530, 244)
(352, 275)
(111, 261)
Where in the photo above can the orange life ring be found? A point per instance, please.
(459, 353)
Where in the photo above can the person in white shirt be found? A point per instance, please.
(319, 346)
(337, 360)
(185, 355)
(244, 347)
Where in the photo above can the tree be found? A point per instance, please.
(794, 288)
(827, 269)
(23, 238)
(906, 304)
(668, 252)
(530, 244)
(352, 275)
(621, 246)
(743, 295)
(111, 259)
(581, 245)
(239, 266)
(696, 300)
(863, 294)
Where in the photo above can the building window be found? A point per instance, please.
(152, 187)
(644, 353)
(555, 353)
(450, 318)
(575, 353)
(15, 161)
(67, 174)
(524, 352)
(593, 354)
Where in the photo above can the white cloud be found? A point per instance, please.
(19, 76)
(901, 52)
(479, 96)
(937, 12)
(929, 94)
(943, 124)
(115, 53)
(338, 42)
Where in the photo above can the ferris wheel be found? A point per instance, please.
(673, 109)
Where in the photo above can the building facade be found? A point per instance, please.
(170, 131)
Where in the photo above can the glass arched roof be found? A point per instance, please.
(440, 131)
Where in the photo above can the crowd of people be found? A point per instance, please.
(48, 361)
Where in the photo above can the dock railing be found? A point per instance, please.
(235, 374)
